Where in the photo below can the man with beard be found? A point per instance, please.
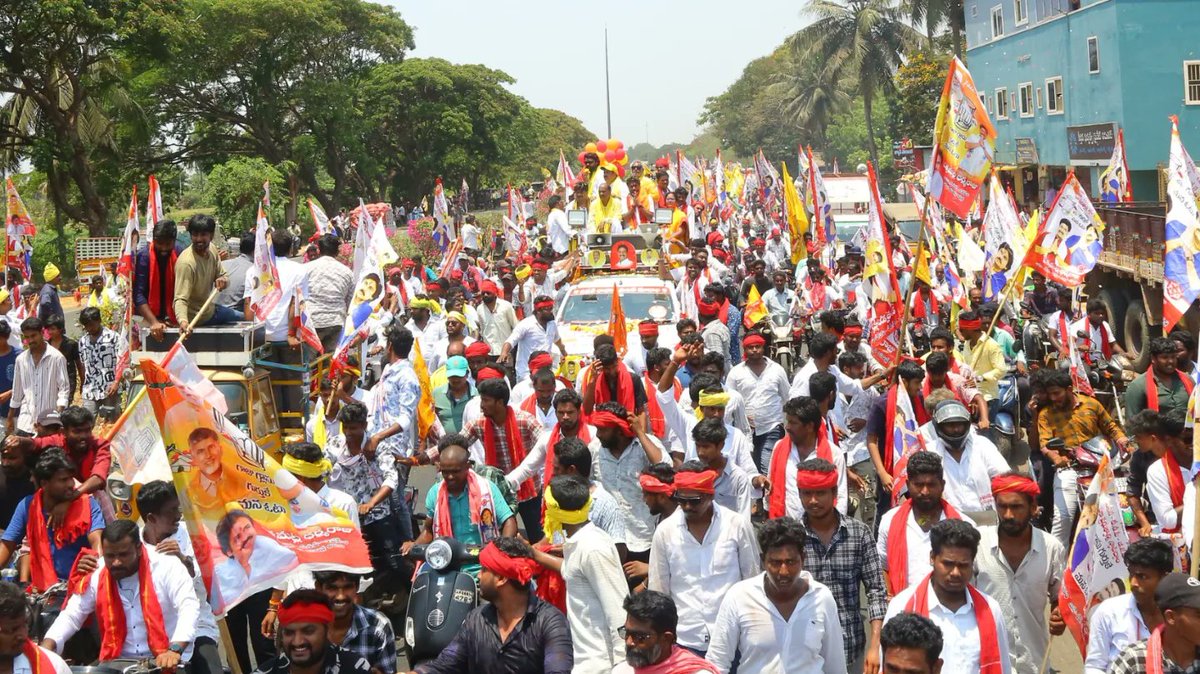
(497, 318)
(305, 620)
(626, 450)
(197, 271)
(537, 332)
(1163, 387)
(911, 644)
(763, 384)
(18, 654)
(358, 630)
(89, 453)
(613, 382)
(514, 632)
(568, 412)
(1021, 567)
(650, 627)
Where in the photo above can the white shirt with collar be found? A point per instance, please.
(21, 664)
(430, 340)
(1113, 625)
(960, 631)
(918, 545)
(697, 574)
(845, 385)
(619, 476)
(764, 394)
(738, 448)
(1158, 490)
(207, 626)
(176, 599)
(291, 274)
(794, 507)
(969, 480)
(530, 336)
(808, 642)
(559, 231)
(535, 461)
(596, 591)
(470, 236)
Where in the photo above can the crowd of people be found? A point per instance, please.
(689, 507)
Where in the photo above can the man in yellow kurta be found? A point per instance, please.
(605, 213)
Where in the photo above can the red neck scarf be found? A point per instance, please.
(624, 393)
(1175, 483)
(110, 615)
(530, 405)
(1105, 340)
(918, 307)
(989, 643)
(658, 423)
(816, 295)
(76, 524)
(516, 450)
(777, 506)
(1064, 332)
(478, 494)
(680, 660)
(1154, 652)
(156, 299)
(927, 387)
(897, 544)
(39, 661)
(584, 435)
(1152, 388)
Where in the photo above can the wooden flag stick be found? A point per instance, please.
(912, 283)
(184, 334)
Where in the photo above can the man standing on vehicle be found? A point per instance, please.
(330, 291)
(197, 271)
(234, 294)
(154, 278)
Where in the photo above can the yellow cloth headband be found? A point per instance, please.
(307, 469)
(556, 517)
(714, 399)
(421, 303)
(456, 316)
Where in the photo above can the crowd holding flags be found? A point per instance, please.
(797, 219)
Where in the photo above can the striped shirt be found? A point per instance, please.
(39, 386)
(528, 427)
(330, 289)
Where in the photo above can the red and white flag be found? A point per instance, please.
(880, 282)
(154, 209)
(266, 291)
(320, 220)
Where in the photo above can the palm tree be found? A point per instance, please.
(810, 98)
(861, 40)
(932, 14)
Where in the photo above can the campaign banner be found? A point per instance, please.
(137, 444)
(1072, 236)
(964, 141)
(252, 523)
(1004, 243)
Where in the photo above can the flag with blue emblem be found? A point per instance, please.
(1114, 181)
(1181, 264)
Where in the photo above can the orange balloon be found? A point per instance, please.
(601, 146)
(590, 147)
(613, 142)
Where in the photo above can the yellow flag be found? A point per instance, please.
(921, 268)
(425, 412)
(796, 217)
(756, 309)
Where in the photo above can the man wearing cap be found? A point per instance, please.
(536, 332)
(48, 302)
(971, 622)
(1175, 645)
(513, 631)
(969, 462)
(610, 175)
(608, 209)
(451, 398)
(699, 553)
(1021, 567)
(305, 621)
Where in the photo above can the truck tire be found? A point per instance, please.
(1137, 335)
(1115, 303)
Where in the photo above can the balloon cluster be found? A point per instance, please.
(611, 151)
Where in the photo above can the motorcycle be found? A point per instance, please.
(1085, 460)
(44, 609)
(442, 596)
(1007, 420)
(782, 343)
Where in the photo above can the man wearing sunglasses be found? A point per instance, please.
(650, 641)
(699, 553)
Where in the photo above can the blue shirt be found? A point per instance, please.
(7, 364)
(465, 531)
(62, 558)
(141, 279)
(48, 304)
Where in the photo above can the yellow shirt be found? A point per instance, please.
(989, 365)
(601, 217)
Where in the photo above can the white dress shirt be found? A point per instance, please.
(176, 599)
(268, 561)
(535, 459)
(530, 336)
(917, 543)
(764, 394)
(738, 448)
(39, 386)
(21, 664)
(495, 325)
(809, 641)
(969, 481)
(794, 507)
(596, 591)
(470, 236)
(558, 231)
(847, 386)
(1113, 625)
(960, 631)
(697, 574)
(207, 625)
(1158, 491)
(430, 339)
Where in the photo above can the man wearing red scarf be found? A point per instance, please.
(804, 439)
(1173, 646)
(306, 639)
(903, 538)
(154, 278)
(1162, 387)
(651, 624)
(17, 652)
(135, 591)
(1168, 477)
(52, 549)
(613, 383)
(568, 409)
(980, 637)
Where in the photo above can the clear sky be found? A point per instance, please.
(554, 49)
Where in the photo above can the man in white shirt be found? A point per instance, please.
(40, 381)
(780, 300)
(428, 329)
(251, 559)
(698, 554)
(626, 451)
(134, 569)
(543, 281)
(591, 569)
(971, 622)
(470, 235)
(1174, 453)
(18, 654)
(969, 462)
(279, 320)
(558, 229)
(1097, 337)
(823, 353)
(780, 620)
(763, 384)
(537, 332)
(1126, 619)
(497, 317)
(635, 358)
(805, 439)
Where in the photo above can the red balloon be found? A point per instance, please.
(601, 146)
(581, 156)
(621, 171)
(620, 145)
(610, 155)
(620, 154)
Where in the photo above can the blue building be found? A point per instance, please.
(1060, 76)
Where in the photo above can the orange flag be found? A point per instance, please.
(426, 415)
(616, 324)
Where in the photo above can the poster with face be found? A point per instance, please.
(1072, 239)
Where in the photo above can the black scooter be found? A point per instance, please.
(442, 596)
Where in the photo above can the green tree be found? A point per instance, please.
(746, 117)
(933, 14)
(234, 189)
(551, 131)
(810, 98)
(862, 40)
(918, 88)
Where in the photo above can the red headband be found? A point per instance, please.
(544, 304)
(486, 373)
(648, 328)
(852, 331)
(520, 569)
(702, 482)
(709, 308)
(609, 420)
(1015, 484)
(539, 361)
(476, 349)
(408, 264)
(489, 287)
(754, 339)
(970, 323)
(540, 265)
(305, 612)
(652, 485)
(815, 480)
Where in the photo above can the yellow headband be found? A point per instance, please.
(714, 399)
(556, 517)
(307, 469)
(456, 316)
(421, 303)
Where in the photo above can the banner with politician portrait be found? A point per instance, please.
(252, 523)
(964, 141)
(1072, 236)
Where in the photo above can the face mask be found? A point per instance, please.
(954, 442)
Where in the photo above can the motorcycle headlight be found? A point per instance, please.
(439, 555)
(409, 631)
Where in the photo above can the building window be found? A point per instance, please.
(1021, 14)
(997, 22)
(1191, 82)
(1093, 44)
(1054, 96)
(1027, 99)
(1002, 103)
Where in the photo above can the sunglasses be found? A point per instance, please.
(638, 637)
(687, 500)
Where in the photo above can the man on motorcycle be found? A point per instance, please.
(969, 462)
(780, 300)
(1073, 418)
(1095, 335)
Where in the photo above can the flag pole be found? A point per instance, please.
(1196, 534)
(1004, 299)
(912, 284)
